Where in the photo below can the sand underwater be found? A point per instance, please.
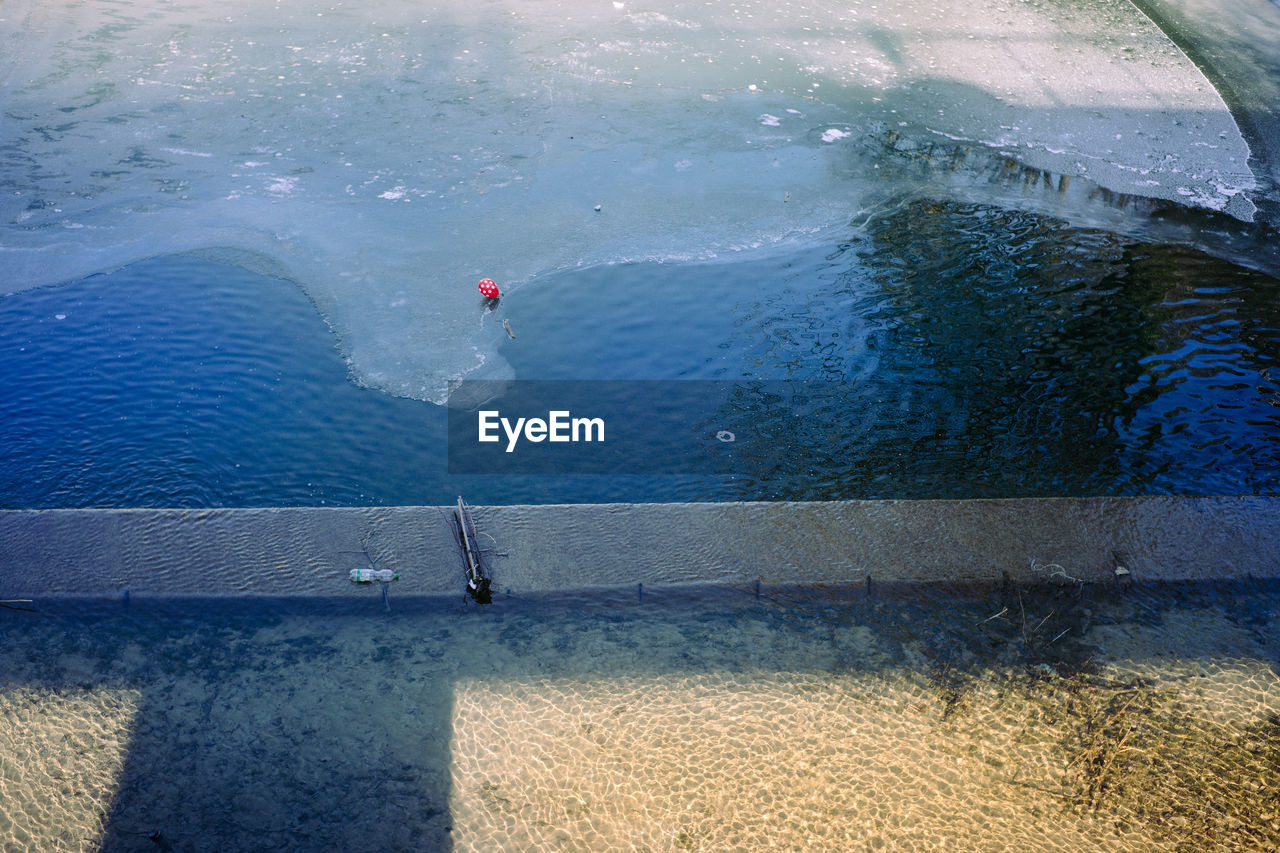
(1117, 692)
(1086, 658)
(1049, 718)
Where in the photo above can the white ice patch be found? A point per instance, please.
(281, 186)
(148, 131)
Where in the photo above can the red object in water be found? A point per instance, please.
(489, 288)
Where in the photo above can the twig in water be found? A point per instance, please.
(1023, 611)
(1041, 625)
(1003, 611)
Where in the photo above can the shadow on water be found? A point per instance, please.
(1104, 360)
(309, 724)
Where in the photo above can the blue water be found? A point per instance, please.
(965, 351)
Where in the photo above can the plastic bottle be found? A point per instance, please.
(374, 575)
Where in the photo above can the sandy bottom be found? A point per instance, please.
(60, 751)
(1031, 719)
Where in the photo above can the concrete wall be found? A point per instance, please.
(535, 549)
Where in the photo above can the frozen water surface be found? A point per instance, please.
(387, 155)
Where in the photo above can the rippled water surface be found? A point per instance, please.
(953, 349)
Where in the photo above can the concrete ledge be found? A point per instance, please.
(538, 549)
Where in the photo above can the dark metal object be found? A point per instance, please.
(478, 580)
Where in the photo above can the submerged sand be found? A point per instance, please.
(1076, 718)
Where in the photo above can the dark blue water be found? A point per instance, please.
(963, 351)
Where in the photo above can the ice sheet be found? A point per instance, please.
(386, 156)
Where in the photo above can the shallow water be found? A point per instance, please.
(1067, 718)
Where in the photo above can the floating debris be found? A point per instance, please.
(374, 576)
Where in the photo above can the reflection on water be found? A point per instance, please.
(1100, 717)
(957, 350)
(964, 349)
(1040, 362)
